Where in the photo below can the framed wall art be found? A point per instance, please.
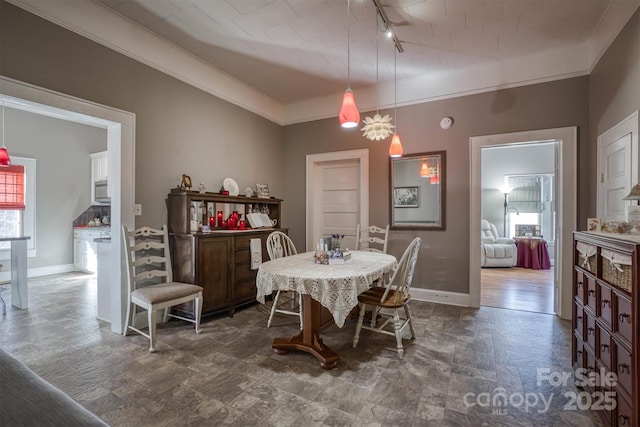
(406, 197)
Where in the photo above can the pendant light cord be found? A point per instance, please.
(348, 44)
(395, 90)
(3, 125)
(377, 65)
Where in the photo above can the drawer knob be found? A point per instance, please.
(579, 352)
(604, 347)
(622, 367)
(622, 419)
(604, 302)
(579, 317)
(579, 284)
(591, 292)
(590, 331)
(623, 316)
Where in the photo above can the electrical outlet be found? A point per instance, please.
(137, 209)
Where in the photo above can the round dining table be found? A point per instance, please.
(334, 286)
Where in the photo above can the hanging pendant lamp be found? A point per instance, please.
(395, 149)
(5, 160)
(349, 115)
(424, 170)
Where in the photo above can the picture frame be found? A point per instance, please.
(262, 191)
(593, 224)
(406, 197)
(528, 230)
(186, 182)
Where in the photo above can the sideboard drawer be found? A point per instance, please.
(623, 368)
(590, 294)
(604, 346)
(590, 331)
(578, 319)
(580, 285)
(605, 304)
(623, 317)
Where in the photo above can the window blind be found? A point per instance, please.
(12, 187)
(526, 195)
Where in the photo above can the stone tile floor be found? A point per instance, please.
(462, 365)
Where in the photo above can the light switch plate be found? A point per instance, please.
(137, 209)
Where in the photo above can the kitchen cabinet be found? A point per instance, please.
(99, 172)
(85, 249)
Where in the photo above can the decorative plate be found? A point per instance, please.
(231, 186)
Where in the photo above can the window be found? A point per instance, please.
(14, 222)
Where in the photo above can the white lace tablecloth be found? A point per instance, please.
(336, 287)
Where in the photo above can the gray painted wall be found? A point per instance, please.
(63, 176)
(443, 261)
(180, 129)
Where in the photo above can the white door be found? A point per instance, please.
(337, 195)
(338, 191)
(617, 168)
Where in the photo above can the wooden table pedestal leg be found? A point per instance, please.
(309, 339)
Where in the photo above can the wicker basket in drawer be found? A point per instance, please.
(587, 256)
(617, 269)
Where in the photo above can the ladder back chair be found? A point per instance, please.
(367, 236)
(150, 281)
(387, 301)
(280, 245)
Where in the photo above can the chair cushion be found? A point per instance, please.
(394, 299)
(499, 250)
(162, 292)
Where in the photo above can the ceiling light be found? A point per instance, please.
(395, 149)
(349, 115)
(424, 170)
(389, 33)
(5, 160)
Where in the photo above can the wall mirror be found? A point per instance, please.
(418, 191)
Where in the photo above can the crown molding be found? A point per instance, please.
(95, 22)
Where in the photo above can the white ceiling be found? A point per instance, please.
(292, 54)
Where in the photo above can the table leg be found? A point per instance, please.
(19, 274)
(309, 339)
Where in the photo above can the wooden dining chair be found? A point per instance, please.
(280, 245)
(387, 301)
(372, 235)
(150, 281)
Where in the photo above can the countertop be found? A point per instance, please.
(92, 227)
(102, 240)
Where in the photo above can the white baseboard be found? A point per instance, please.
(441, 297)
(5, 276)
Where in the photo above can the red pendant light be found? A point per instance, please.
(395, 149)
(435, 178)
(5, 160)
(424, 170)
(349, 115)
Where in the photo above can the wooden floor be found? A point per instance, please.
(518, 289)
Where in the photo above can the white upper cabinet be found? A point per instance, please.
(99, 172)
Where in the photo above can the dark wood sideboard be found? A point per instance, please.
(606, 332)
(220, 260)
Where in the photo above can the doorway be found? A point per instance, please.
(519, 198)
(565, 174)
(120, 127)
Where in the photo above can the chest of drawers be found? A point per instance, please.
(605, 343)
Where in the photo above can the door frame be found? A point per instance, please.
(566, 185)
(120, 126)
(313, 160)
(627, 125)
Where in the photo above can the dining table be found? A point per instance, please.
(333, 286)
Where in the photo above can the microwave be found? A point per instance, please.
(101, 191)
